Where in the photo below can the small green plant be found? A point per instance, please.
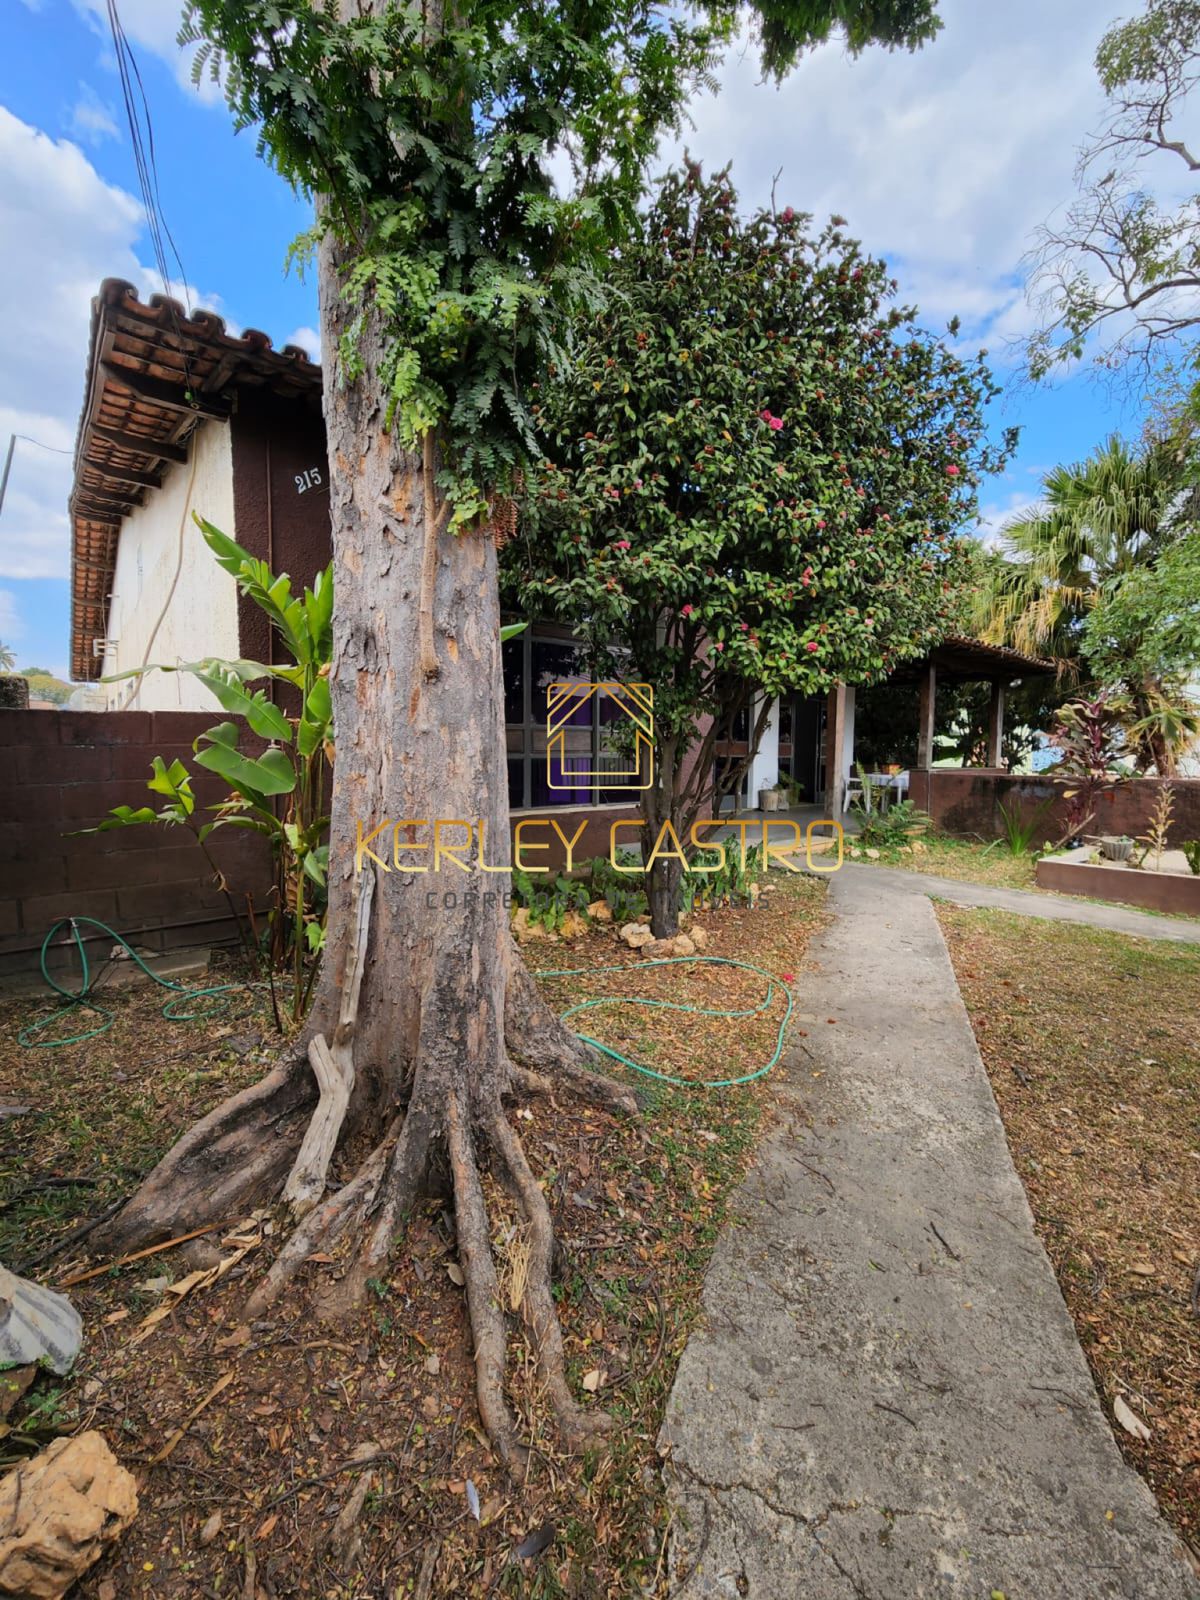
(729, 884)
(622, 892)
(1019, 833)
(548, 903)
(1191, 850)
(892, 827)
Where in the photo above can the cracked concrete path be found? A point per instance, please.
(885, 1398)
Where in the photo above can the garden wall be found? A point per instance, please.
(61, 771)
(967, 801)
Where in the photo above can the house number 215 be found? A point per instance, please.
(311, 479)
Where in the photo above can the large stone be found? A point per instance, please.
(36, 1325)
(685, 945)
(658, 949)
(699, 937)
(58, 1513)
(600, 911)
(636, 934)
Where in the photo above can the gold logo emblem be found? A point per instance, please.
(634, 701)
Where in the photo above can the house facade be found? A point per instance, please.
(180, 417)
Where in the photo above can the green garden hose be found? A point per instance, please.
(29, 1036)
(773, 983)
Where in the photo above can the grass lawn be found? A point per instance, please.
(1092, 1044)
(265, 1463)
(967, 859)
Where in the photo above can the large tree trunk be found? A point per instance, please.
(665, 871)
(424, 1016)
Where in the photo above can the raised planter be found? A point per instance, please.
(1103, 880)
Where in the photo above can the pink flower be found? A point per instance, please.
(744, 626)
(788, 977)
(687, 610)
(765, 415)
(774, 423)
(812, 646)
(718, 645)
(787, 214)
(637, 483)
(621, 544)
(952, 471)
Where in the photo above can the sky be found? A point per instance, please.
(945, 162)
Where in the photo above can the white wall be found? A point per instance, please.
(201, 616)
(764, 767)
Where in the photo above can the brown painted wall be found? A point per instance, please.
(1153, 891)
(65, 770)
(62, 771)
(285, 522)
(967, 801)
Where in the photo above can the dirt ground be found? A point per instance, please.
(291, 1458)
(1092, 1044)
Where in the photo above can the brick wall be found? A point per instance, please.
(61, 771)
(967, 801)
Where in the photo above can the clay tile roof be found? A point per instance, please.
(153, 373)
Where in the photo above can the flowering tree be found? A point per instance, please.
(427, 136)
(757, 466)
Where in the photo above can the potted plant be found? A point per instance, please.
(772, 799)
(1116, 846)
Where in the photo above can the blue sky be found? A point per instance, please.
(944, 162)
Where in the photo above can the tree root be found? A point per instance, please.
(537, 1302)
(483, 1293)
(230, 1160)
(544, 1046)
(321, 1228)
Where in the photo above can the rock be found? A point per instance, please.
(684, 945)
(198, 1255)
(658, 949)
(36, 1325)
(600, 911)
(572, 925)
(871, 855)
(636, 934)
(699, 937)
(58, 1512)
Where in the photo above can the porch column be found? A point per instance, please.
(839, 746)
(764, 765)
(927, 707)
(995, 749)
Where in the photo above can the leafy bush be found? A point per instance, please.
(891, 827)
(547, 901)
(1191, 849)
(1018, 834)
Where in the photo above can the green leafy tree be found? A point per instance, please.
(45, 685)
(447, 262)
(1101, 523)
(1121, 272)
(756, 470)
(8, 658)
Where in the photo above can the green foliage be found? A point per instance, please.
(1020, 833)
(8, 659)
(430, 135)
(728, 885)
(620, 890)
(1191, 850)
(756, 466)
(1086, 735)
(43, 685)
(887, 826)
(1147, 623)
(282, 793)
(548, 901)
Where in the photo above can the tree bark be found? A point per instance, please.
(444, 1006)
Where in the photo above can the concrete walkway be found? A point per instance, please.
(1027, 903)
(885, 1398)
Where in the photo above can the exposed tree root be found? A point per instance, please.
(540, 1042)
(333, 1068)
(229, 1161)
(483, 1292)
(322, 1228)
(537, 1302)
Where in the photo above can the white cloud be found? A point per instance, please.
(11, 626)
(149, 25)
(308, 339)
(67, 229)
(995, 514)
(92, 120)
(944, 161)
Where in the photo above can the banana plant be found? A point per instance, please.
(282, 793)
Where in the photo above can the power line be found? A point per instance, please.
(8, 459)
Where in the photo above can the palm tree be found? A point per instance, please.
(1099, 521)
(7, 659)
